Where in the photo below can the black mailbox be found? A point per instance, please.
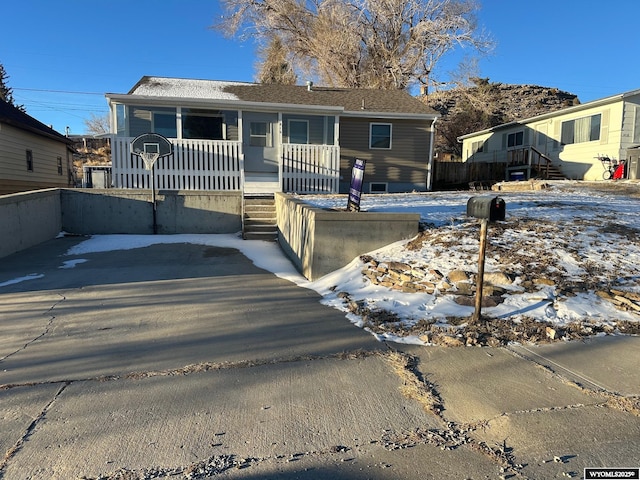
(486, 207)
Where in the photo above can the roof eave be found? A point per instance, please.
(53, 135)
(391, 115)
(152, 100)
(156, 101)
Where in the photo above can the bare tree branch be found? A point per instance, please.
(360, 43)
(97, 124)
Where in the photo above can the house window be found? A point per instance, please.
(380, 136)
(260, 134)
(59, 165)
(165, 124)
(477, 147)
(30, 160)
(515, 139)
(299, 131)
(121, 120)
(202, 124)
(585, 129)
(636, 126)
(153, 119)
(378, 187)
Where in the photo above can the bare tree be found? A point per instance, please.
(274, 66)
(97, 124)
(360, 43)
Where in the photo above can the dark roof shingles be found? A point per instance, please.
(17, 118)
(382, 101)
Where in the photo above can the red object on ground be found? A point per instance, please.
(619, 172)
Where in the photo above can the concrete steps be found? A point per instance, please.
(259, 218)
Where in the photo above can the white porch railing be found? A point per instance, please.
(310, 168)
(218, 165)
(193, 165)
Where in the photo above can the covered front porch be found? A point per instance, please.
(219, 165)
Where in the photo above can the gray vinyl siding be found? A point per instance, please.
(406, 161)
(14, 175)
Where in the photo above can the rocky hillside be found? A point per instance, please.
(465, 110)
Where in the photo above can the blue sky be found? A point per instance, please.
(63, 56)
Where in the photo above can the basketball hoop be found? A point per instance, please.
(149, 158)
(150, 147)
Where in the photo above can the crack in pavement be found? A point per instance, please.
(415, 386)
(207, 366)
(30, 429)
(453, 435)
(47, 328)
(456, 435)
(202, 367)
(629, 404)
(214, 464)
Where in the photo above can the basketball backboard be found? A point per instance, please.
(151, 146)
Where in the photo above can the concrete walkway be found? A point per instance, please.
(188, 361)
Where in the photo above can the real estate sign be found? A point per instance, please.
(355, 189)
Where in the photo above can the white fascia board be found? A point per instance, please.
(155, 101)
(392, 115)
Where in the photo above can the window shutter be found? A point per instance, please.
(604, 127)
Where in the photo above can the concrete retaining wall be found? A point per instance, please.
(130, 211)
(27, 219)
(317, 241)
(320, 241)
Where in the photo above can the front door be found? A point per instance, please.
(260, 142)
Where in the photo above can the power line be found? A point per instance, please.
(58, 91)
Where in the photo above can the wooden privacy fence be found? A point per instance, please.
(462, 173)
(310, 168)
(193, 165)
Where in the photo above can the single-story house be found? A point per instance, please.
(574, 141)
(291, 138)
(32, 155)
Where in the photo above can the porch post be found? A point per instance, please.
(432, 134)
(241, 151)
(280, 154)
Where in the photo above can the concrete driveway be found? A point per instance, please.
(187, 361)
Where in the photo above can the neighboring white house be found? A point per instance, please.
(572, 140)
(292, 138)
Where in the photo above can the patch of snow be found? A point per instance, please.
(72, 263)
(32, 276)
(186, 88)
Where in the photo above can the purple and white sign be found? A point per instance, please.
(355, 189)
